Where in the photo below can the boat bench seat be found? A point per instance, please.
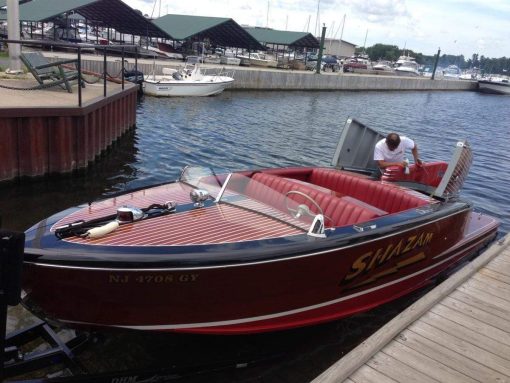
(341, 210)
(386, 197)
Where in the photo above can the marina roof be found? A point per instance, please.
(222, 31)
(274, 36)
(110, 13)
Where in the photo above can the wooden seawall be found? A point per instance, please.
(458, 332)
(44, 131)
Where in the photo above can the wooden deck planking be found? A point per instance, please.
(459, 332)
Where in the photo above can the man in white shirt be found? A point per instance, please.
(390, 151)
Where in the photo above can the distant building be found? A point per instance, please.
(340, 48)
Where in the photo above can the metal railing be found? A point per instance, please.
(79, 49)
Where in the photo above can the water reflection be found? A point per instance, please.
(27, 201)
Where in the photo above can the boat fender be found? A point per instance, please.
(101, 231)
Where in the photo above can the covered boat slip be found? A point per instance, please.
(256, 207)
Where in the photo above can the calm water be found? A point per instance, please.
(239, 130)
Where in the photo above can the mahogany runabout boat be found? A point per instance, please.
(255, 251)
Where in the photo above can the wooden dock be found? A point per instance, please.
(45, 131)
(458, 332)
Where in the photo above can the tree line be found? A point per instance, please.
(484, 64)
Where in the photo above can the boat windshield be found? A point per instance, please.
(238, 189)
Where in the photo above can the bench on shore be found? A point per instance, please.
(44, 70)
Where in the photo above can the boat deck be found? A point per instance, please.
(219, 224)
(459, 332)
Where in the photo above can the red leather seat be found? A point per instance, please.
(340, 211)
(383, 196)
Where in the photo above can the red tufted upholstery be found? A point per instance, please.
(383, 196)
(341, 211)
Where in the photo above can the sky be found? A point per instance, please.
(455, 26)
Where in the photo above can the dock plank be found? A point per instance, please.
(497, 275)
(484, 302)
(491, 299)
(468, 334)
(487, 288)
(397, 370)
(502, 324)
(501, 286)
(452, 359)
(367, 374)
(462, 347)
(500, 270)
(428, 366)
(505, 256)
(503, 263)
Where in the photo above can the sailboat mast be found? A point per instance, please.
(307, 27)
(316, 30)
(267, 15)
(341, 35)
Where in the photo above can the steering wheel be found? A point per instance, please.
(301, 208)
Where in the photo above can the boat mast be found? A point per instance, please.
(317, 25)
(365, 42)
(307, 25)
(267, 15)
(341, 35)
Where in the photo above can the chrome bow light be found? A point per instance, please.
(199, 196)
(128, 214)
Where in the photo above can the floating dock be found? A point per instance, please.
(458, 332)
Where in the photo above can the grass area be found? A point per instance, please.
(4, 54)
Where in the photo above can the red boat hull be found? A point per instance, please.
(258, 296)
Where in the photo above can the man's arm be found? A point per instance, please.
(416, 156)
(384, 164)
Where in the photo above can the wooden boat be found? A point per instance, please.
(255, 251)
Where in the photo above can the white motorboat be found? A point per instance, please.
(187, 81)
(226, 60)
(452, 72)
(495, 87)
(407, 66)
(383, 66)
(259, 59)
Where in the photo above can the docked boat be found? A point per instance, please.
(255, 251)
(384, 66)
(258, 59)
(496, 87)
(407, 66)
(452, 72)
(187, 81)
(227, 60)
